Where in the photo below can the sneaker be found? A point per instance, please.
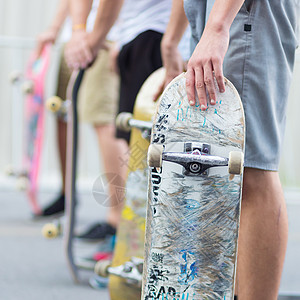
(56, 207)
(98, 282)
(98, 232)
(106, 245)
(88, 263)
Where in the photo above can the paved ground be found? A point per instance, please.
(32, 268)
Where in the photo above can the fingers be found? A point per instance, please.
(200, 81)
(78, 57)
(209, 84)
(78, 53)
(200, 88)
(87, 57)
(190, 86)
(218, 71)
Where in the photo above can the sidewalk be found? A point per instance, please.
(33, 268)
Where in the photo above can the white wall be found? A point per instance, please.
(290, 158)
(20, 22)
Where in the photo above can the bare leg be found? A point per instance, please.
(58, 205)
(62, 146)
(263, 236)
(112, 150)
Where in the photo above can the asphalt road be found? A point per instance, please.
(33, 268)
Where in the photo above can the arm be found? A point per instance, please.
(50, 35)
(171, 57)
(207, 59)
(79, 11)
(83, 53)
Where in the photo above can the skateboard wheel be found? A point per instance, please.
(54, 104)
(101, 268)
(9, 171)
(50, 231)
(155, 155)
(22, 183)
(27, 87)
(122, 121)
(15, 76)
(236, 162)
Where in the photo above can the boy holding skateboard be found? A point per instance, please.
(97, 106)
(253, 44)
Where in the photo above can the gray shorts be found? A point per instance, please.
(259, 62)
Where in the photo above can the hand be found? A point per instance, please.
(82, 49)
(47, 37)
(173, 63)
(206, 64)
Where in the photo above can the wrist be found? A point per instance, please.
(218, 26)
(79, 27)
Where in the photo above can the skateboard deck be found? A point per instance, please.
(129, 249)
(71, 167)
(33, 87)
(194, 199)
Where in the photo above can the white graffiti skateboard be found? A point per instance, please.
(194, 194)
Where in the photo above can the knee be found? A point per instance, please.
(258, 184)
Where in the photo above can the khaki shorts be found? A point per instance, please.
(99, 91)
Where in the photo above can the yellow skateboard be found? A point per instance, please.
(125, 270)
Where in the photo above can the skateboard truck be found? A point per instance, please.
(131, 270)
(125, 122)
(195, 159)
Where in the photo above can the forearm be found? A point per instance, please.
(107, 14)
(223, 14)
(206, 62)
(176, 27)
(79, 11)
(61, 13)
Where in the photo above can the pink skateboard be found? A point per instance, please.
(33, 87)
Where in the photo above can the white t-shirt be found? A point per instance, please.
(138, 16)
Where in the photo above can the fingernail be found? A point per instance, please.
(203, 107)
(212, 101)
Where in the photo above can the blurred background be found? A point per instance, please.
(20, 22)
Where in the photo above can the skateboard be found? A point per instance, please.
(125, 270)
(33, 87)
(194, 193)
(71, 168)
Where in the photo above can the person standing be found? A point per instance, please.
(253, 44)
